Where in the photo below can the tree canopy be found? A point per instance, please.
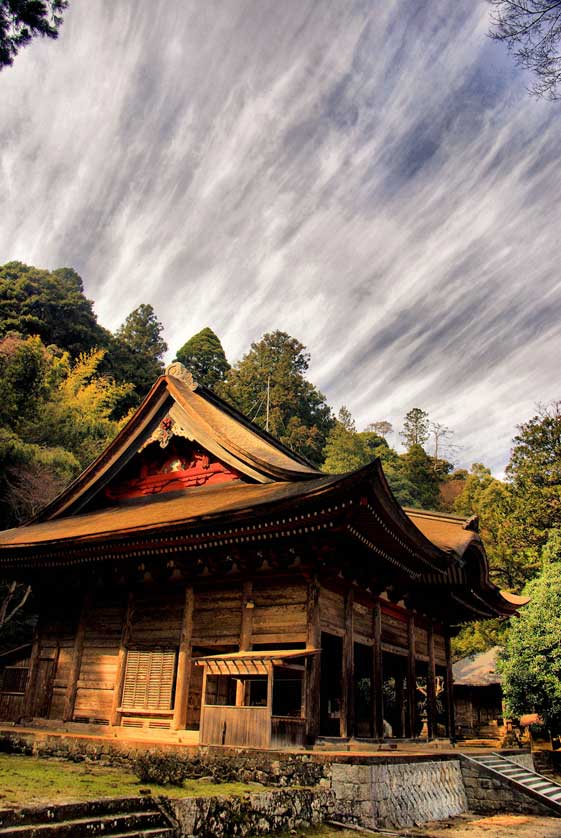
(269, 385)
(204, 357)
(531, 661)
(137, 350)
(50, 304)
(22, 20)
(415, 427)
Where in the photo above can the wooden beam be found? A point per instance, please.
(115, 716)
(450, 690)
(347, 721)
(431, 685)
(377, 676)
(313, 672)
(411, 677)
(76, 662)
(184, 663)
(246, 633)
(29, 702)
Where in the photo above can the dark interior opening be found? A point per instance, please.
(394, 669)
(363, 690)
(330, 693)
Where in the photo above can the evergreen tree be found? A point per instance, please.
(272, 374)
(415, 428)
(345, 449)
(50, 304)
(417, 468)
(137, 350)
(22, 20)
(204, 357)
(534, 475)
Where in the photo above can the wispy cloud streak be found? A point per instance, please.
(371, 178)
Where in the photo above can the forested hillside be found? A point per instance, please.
(68, 384)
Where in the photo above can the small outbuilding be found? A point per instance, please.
(478, 696)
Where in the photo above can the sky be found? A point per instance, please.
(372, 178)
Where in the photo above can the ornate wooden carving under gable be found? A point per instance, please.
(183, 464)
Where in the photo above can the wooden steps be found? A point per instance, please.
(131, 817)
(526, 782)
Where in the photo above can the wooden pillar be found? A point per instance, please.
(31, 687)
(411, 676)
(115, 718)
(431, 686)
(377, 675)
(246, 633)
(450, 691)
(76, 662)
(313, 669)
(347, 720)
(184, 663)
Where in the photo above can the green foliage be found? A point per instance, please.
(298, 413)
(22, 20)
(478, 637)
(136, 351)
(55, 417)
(345, 449)
(415, 427)
(417, 468)
(50, 304)
(531, 661)
(534, 475)
(204, 357)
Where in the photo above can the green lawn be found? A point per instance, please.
(29, 781)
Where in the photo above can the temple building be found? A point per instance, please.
(202, 581)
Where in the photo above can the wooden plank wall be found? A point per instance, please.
(99, 659)
(217, 616)
(279, 614)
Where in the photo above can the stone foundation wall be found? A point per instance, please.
(525, 760)
(398, 795)
(487, 794)
(261, 813)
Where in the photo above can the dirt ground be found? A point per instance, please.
(492, 826)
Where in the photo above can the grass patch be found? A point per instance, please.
(29, 781)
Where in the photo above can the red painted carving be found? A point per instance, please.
(180, 465)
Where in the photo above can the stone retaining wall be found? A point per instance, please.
(261, 813)
(398, 795)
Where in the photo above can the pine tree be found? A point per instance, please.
(415, 427)
(270, 387)
(137, 350)
(204, 357)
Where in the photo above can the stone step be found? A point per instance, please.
(72, 811)
(111, 824)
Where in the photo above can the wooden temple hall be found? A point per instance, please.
(201, 577)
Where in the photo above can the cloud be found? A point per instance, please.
(372, 178)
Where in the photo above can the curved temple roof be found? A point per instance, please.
(276, 493)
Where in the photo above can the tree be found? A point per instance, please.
(415, 427)
(417, 468)
(22, 20)
(534, 476)
(50, 304)
(531, 661)
(345, 449)
(531, 30)
(204, 357)
(137, 350)
(270, 387)
(381, 428)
